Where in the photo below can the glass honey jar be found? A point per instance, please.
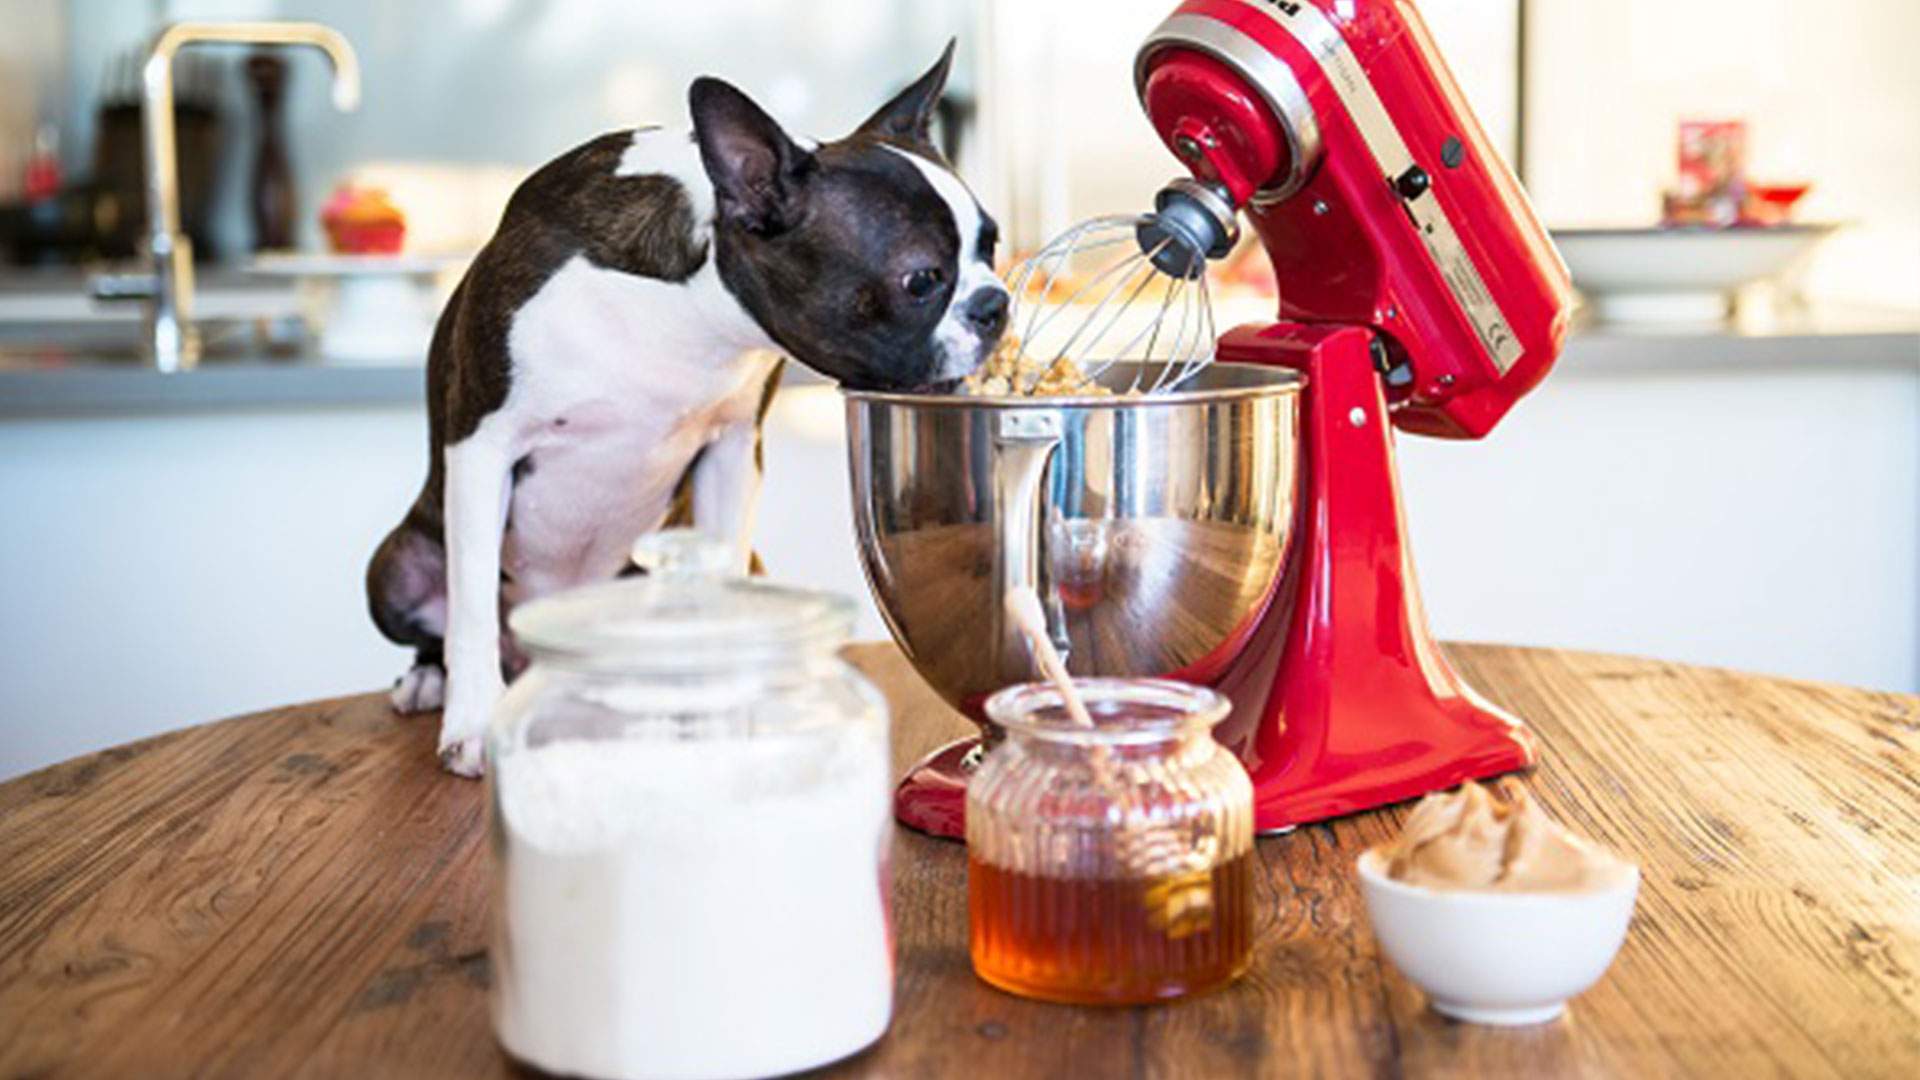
(1111, 864)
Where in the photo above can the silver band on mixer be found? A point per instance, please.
(1273, 80)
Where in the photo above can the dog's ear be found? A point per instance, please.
(759, 174)
(907, 116)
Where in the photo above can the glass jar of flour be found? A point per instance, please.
(690, 814)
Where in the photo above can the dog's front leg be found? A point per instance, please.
(726, 488)
(476, 502)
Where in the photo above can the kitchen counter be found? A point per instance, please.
(49, 384)
(302, 891)
(120, 388)
(100, 388)
(1824, 338)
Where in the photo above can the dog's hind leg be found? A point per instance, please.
(407, 596)
(422, 688)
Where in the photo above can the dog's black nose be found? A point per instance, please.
(987, 311)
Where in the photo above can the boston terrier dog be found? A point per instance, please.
(622, 330)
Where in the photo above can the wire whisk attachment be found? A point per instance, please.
(1144, 299)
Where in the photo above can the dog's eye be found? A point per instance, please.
(923, 283)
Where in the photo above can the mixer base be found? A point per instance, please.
(1440, 745)
(932, 797)
(1354, 706)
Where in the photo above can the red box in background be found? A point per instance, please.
(1712, 185)
(1713, 158)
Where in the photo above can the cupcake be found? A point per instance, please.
(363, 221)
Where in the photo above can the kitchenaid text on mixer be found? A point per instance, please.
(1241, 528)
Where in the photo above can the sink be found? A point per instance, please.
(25, 345)
(48, 319)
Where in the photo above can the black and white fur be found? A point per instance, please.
(620, 333)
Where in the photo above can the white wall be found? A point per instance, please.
(1766, 519)
(1831, 93)
(165, 570)
(161, 571)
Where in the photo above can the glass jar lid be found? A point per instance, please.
(689, 613)
(1125, 712)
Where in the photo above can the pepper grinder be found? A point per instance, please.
(272, 194)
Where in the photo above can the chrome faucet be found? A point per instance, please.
(169, 292)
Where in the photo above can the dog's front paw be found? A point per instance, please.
(422, 689)
(463, 730)
(463, 723)
(462, 756)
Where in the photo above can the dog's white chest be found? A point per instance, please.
(619, 382)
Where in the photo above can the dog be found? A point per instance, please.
(623, 329)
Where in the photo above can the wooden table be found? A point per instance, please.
(302, 891)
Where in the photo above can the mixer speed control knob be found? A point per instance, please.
(1413, 183)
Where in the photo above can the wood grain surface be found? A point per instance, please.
(302, 892)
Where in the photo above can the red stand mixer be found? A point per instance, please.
(1417, 290)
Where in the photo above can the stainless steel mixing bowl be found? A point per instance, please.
(1154, 528)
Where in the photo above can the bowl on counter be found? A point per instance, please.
(1499, 958)
(1680, 275)
(370, 308)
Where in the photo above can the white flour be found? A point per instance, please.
(692, 909)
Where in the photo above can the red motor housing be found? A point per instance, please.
(1337, 127)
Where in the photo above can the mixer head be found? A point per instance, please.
(1338, 130)
(1145, 299)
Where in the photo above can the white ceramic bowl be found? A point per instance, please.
(1497, 958)
(1679, 275)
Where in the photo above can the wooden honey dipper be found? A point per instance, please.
(1178, 873)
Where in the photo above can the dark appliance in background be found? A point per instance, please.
(102, 216)
(60, 229)
(119, 170)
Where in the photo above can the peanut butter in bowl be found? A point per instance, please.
(1494, 909)
(1499, 841)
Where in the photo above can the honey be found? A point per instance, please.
(1104, 941)
(1110, 856)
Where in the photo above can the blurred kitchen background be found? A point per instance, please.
(1724, 469)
